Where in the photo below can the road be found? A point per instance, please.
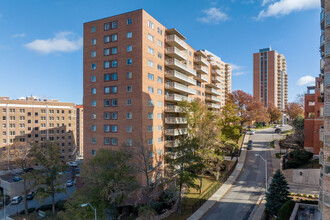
(240, 200)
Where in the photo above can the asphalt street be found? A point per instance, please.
(240, 200)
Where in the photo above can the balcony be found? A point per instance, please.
(175, 120)
(212, 91)
(322, 65)
(216, 79)
(212, 105)
(201, 69)
(214, 85)
(327, 79)
(200, 60)
(202, 78)
(326, 198)
(327, 49)
(327, 19)
(176, 131)
(177, 98)
(321, 158)
(326, 109)
(171, 143)
(212, 98)
(215, 66)
(326, 139)
(175, 53)
(172, 108)
(175, 41)
(322, 40)
(177, 87)
(177, 65)
(216, 72)
(180, 77)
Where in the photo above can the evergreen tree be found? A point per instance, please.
(277, 193)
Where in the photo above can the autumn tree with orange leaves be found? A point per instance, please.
(293, 110)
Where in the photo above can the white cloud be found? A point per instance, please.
(285, 7)
(19, 35)
(235, 67)
(213, 15)
(239, 73)
(265, 2)
(62, 42)
(237, 70)
(306, 80)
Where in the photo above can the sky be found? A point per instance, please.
(41, 40)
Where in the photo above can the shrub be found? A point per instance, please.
(59, 205)
(305, 195)
(299, 194)
(313, 202)
(316, 196)
(285, 211)
(293, 194)
(293, 164)
(45, 207)
(30, 210)
(310, 196)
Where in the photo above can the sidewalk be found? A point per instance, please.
(225, 186)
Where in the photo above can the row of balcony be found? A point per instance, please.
(212, 98)
(213, 105)
(202, 69)
(176, 131)
(216, 72)
(175, 53)
(216, 79)
(175, 41)
(177, 76)
(177, 98)
(171, 143)
(212, 91)
(201, 60)
(177, 65)
(172, 108)
(177, 87)
(175, 120)
(202, 78)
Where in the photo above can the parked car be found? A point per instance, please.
(69, 183)
(278, 130)
(249, 147)
(275, 126)
(72, 164)
(16, 200)
(16, 179)
(28, 169)
(251, 132)
(250, 142)
(30, 195)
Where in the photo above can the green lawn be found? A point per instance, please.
(288, 132)
(272, 144)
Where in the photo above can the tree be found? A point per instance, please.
(230, 122)
(258, 112)
(18, 155)
(108, 180)
(298, 127)
(277, 193)
(47, 154)
(274, 113)
(285, 211)
(242, 100)
(293, 110)
(300, 100)
(182, 164)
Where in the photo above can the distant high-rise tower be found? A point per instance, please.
(270, 80)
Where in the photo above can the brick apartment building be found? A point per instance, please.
(80, 130)
(33, 120)
(314, 117)
(135, 72)
(270, 79)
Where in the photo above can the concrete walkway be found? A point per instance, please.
(225, 186)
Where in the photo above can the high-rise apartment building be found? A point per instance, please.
(324, 198)
(33, 120)
(135, 73)
(80, 130)
(270, 79)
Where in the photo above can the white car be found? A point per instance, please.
(251, 132)
(16, 200)
(69, 183)
(72, 164)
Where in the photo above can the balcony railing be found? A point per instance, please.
(216, 72)
(171, 143)
(212, 98)
(327, 79)
(212, 91)
(327, 49)
(201, 60)
(175, 120)
(177, 65)
(201, 69)
(202, 78)
(327, 19)
(177, 98)
(177, 76)
(212, 105)
(216, 79)
(172, 108)
(180, 88)
(176, 131)
(176, 53)
(174, 40)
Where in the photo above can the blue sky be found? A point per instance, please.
(41, 41)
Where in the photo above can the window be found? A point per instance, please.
(107, 115)
(129, 89)
(114, 24)
(128, 101)
(114, 50)
(159, 128)
(93, 41)
(114, 37)
(114, 63)
(93, 127)
(93, 79)
(93, 140)
(160, 67)
(150, 115)
(159, 79)
(114, 102)
(129, 21)
(150, 76)
(107, 141)
(106, 51)
(107, 26)
(129, 129)
(114, 115)
(150, 89)
(129, 48)
(129, 61)
(93, 152)
(93, 29)
(129, 115)
(129, 142)
(159, 104)
(150, 102)
(93, 66)
(106, 64)
(93, 103)
(159, 140)
(114, 141)
(311, 103)
(159, 115)
(93, 116)
(107, 39)
(93, 54)
(150, 50)
(159, 91)
(160, 55)
(110, 89)
(110, 77)
(150, 37)
(159, 43)
(150, 24)
(93, 90)
(150, 128)
(160, 31)
(150, 63)
(129, 75)
(150, 142)
(129, 34)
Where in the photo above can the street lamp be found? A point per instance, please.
(85, 204)
(258, 155)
